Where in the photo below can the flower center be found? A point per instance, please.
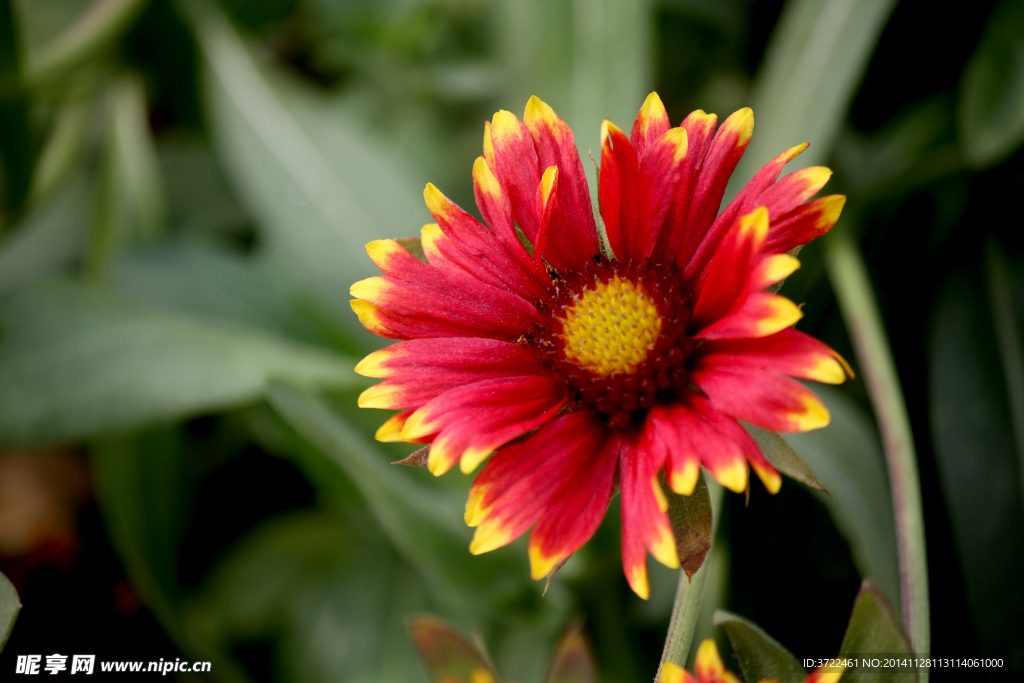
(611, 328)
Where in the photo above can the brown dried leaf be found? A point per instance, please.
(692, 525)
(573, 661)
(416, 458)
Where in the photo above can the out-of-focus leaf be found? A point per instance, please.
(332, 603)
(52, 236)
(213, 284)
(847, 458)
(139, 482)
(874, 629)
(915, 147)
(77, 362)
(573, 661)
(973, 436)
(17, 155)
(760, 655)
(814, 62)
(782, 456)
(425, 526)
(200, 202)
(62, 149)
(445, 653)
(10, 606)
(92, 33)
(318, 185)
(991, 97)
(692, 524)
(132, 207)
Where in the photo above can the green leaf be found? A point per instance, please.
(692, 525)
(991, 94)
(91, 34)
(444, 652)
(814, 62)
(51, 237)
(77, 362)
(874, 629)
(760, 655)
(847, 457)
(218, 285)
(573, 661)
(782, 456)
(132, 205)
(10, 606)
(139, 481)
(424, 525)
(318, 184)
(330, 602)
(971, 404)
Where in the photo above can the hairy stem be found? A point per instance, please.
(689, 594)
(852, 286)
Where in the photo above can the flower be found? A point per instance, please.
(574, 365)
(709, 668)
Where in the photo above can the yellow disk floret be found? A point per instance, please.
(611, 327)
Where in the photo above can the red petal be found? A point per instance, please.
(416, 300)
(419, 370)
(747, 199)
(661, 171)
(461, 244)
(518, 169)
(759, 315)
(574, 236)
(518, 483)
(644, 522)
(650, 124)
(619, 191)
(680, 237)
(762, 398)
(472, 421)
(789, 352)
(728, 146)
(804, 223)
(574, 513)
(724, 282)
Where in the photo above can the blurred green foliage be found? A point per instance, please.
(186, 191)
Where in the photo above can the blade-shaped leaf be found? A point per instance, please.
(692, 524)
(139, 482)
(573, 661)
(318, 185)
(77, 362)
(813, 65)
(991, 97)
(760, 655)
(10, 606)
(50, 237)
(444, 652)
(975, 451)
(94, 31)
(847, 458)
(782, 456)
(874, 629)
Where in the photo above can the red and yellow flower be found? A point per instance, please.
(576, 360)
(709, 668)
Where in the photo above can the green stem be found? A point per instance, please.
(689, 595)
(852, 286)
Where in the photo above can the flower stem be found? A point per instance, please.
(856, 298)
(689, 594)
